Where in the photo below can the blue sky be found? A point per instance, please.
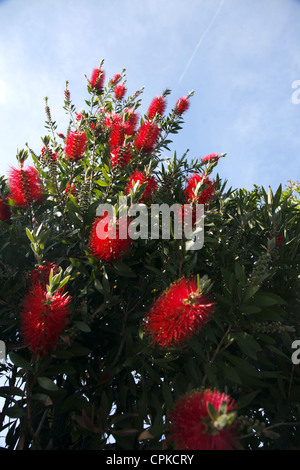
(240, 57)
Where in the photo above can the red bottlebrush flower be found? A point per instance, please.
(112, 118)
(117, 133)
(67, 96)
(40, 275)
(44, 318)
(178, 314)
(139, 177)
(192, 427)
(279, 239)
(5, 212)
(157, 106)
(121, 126)
(79, 116)
(202, 197)
(25, 186)
(147, 137)
(105, 242)
(70, 189)
(208, 158)
(130, 120)
(120, 91)
(116, 79)
(182, 105)
(76, 144)
(121, 156)
(97, 78)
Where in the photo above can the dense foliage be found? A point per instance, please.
(82, 370)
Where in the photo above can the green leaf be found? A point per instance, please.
(231, 374)
(197, 347)
(278, 352)
(240, 273)
(247, 344)
(11, 391)
(168, 399)
(98, 285)
(103, 183)
(243, 365)
(29, 235)
(47, 384)
(212, 411)
(225, 420)
(246, 399)
(62, 368)
(63, 282)
(15, 412)
(250, 292)
(77, 350)
(43, 397)
(82, 326)
(277, 197)
(270, 199)
(249, 309)
(123, 269)
(265, 299)
(157, 430)
(19, 361)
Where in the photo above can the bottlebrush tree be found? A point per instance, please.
(141, 343)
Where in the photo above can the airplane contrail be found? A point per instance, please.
(201, 39)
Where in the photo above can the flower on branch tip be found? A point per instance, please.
(194, 192)
(44, 318)
(130, 120)
(76, 144)
(67, 95)
(110, 119)
(210, 157)
(117, 77)
(97, 78)
(25, 186)
(120, 91)
(178, 314)
(140, 178)
(157, 106)
(147, 137)
(117, 132)
(121, 125)
(182, 105)
(203, 420)
(106, 239)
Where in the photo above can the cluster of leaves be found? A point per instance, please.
(105, 386)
